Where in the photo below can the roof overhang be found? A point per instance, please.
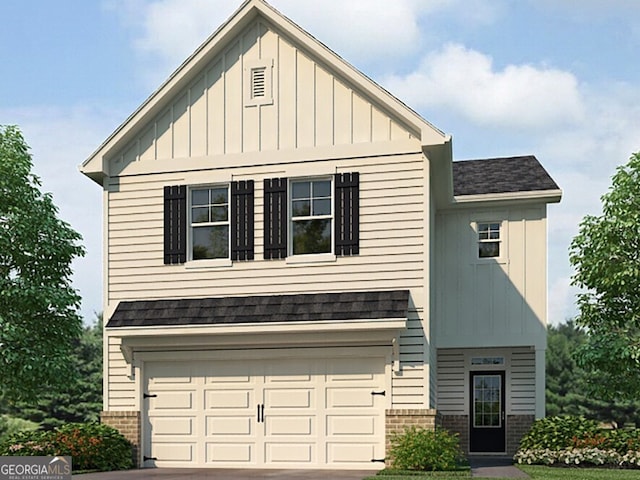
(346, 333)
(544, 196)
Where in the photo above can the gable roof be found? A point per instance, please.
(501, 176)
(95, 166)
(316, 307)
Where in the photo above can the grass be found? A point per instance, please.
(536, 472)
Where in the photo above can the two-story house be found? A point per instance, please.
(295, 268)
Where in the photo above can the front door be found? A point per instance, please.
(487, 412)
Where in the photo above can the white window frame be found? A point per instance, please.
(324, 256)
(502, 240)
(223, 261)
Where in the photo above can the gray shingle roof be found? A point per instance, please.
(500, 175)
(315, 307)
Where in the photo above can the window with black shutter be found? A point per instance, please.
(310, 216)
(220, 222)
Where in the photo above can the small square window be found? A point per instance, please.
(489, 239)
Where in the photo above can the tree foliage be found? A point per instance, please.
(568, 384)
(606, 256)
(80, 400)
(38, 307)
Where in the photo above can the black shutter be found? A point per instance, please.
(275, 218)
(242, 220)
(175, 224)
(347, 192)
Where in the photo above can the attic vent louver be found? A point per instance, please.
(258, 82)
(258, 88)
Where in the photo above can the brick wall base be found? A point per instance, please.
(517, 427)
(458, 424)
(397, 420)
(129, 425)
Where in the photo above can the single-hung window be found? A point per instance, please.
(311, 216)
(210, 222)
(489, 240)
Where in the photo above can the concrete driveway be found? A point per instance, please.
(226, 474)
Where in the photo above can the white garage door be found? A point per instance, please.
(295, 412)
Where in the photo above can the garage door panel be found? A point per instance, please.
(223, 399)
(350, 453)
(288, 398)
(350, 398)
(174, 426)
(298, 453)
(230, 453)
(351, 425)
(165, 400)
(174, 452)
(289, 425)
(225, 426)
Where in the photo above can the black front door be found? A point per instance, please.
(487, 412)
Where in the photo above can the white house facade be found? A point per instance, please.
(295, 268)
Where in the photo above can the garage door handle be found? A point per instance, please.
(382, 393)
(261, 413)
(258, 413)
(149, 395)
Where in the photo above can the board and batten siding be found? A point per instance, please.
(453, 369)
(487, 302)
(392, 230)
(310, 108)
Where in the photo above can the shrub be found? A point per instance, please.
(93, 446)
(421, 449)
(556, 433)
(10, 426)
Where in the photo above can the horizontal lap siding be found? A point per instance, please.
(451, 383)
(523, 382)
(121, 392)
(391, 255)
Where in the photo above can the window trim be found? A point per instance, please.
(320, 256)
(502, 241)
(222, 261)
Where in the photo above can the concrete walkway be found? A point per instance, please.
(495, 467)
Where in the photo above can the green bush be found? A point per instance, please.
(10, 426)
(91, 445)
(424, 450)
(557, 433)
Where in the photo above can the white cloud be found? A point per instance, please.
(465, 80)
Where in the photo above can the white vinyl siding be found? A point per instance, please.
(392, 230)
(454, 366)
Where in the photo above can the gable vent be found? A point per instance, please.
(258, 82)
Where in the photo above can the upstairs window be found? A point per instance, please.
(210, 223)
(311, 217)
(489, 239)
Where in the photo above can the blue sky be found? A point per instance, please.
(555, 78)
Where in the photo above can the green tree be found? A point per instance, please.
(568, 383)
(606, 256)
(38, 307)
(80, 400)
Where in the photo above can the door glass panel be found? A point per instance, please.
(487, 398)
